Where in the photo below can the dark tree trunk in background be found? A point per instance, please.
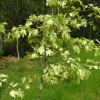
(22, 48)
(2, 20)
(1, 42)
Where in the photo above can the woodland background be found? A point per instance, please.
(16, 12)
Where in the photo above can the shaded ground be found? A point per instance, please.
(4, 60)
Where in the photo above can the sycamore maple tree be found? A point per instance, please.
(53, 31)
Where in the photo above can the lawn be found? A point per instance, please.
(86, 90)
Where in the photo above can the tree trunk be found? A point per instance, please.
(1, 44)
(2, 19)
(22, 49)
(41, 87)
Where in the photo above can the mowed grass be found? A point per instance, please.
(86, 90)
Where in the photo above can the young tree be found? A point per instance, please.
(53, 31)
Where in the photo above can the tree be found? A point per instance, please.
(53, 31)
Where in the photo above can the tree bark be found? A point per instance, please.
(1, 44)
(41, 87)
(2, 34)
(22, 49)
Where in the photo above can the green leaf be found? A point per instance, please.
(64, 75)
(76, 48)
(2, 29)
(41, 50)
(81, 3)
(90, 15)
(65, 54)
(65, 35)
(4, 80)
(14, 93)
(49, 52)
(4, 23)
(54, 45)
(91, 5)
(73, 22)
(34, 55)
(72, 14)
(23, 32)
(27, 86)
(81, 74)
(30, 80)
(94, 27)
(50, 22)
(84, 22)
(23, 79)
(33, 32)
(78, 25)
(87, 47)
(3, 76)
(16, 84)
(52, 36)
(28, 23)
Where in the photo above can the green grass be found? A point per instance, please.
(86, 90)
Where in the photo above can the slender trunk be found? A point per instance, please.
(41, 85)
(39, 94)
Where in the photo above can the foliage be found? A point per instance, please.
(2, 28)
(3, 78)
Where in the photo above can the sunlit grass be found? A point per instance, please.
(86, 90)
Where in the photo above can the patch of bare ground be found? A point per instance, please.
(4, 60)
